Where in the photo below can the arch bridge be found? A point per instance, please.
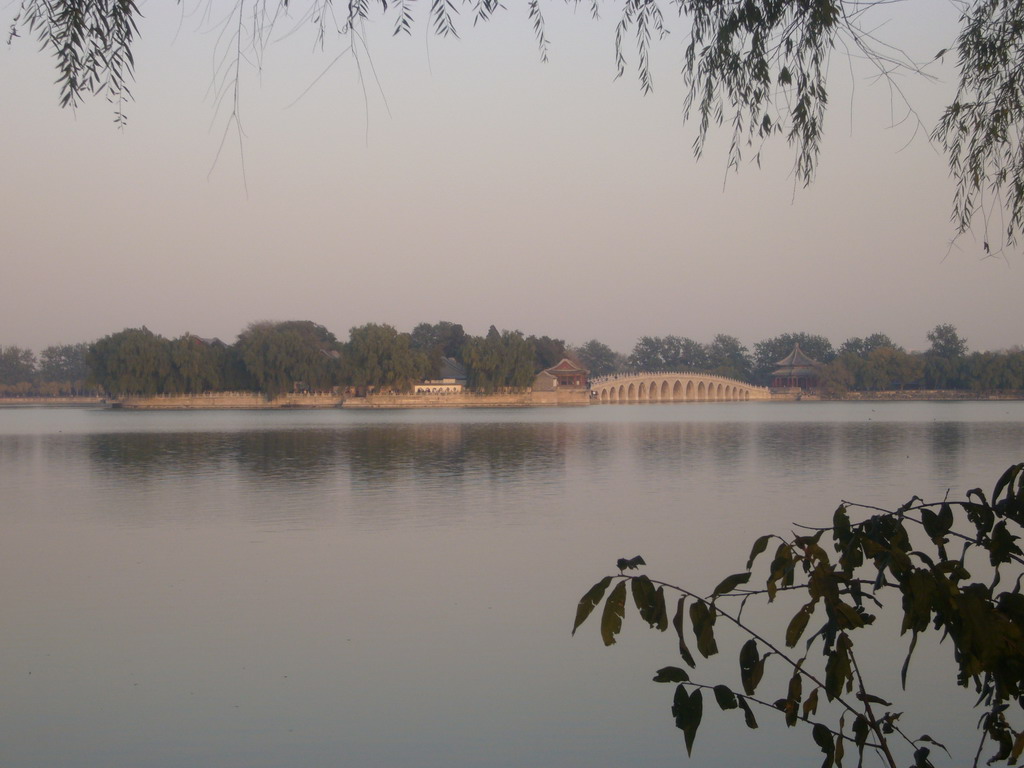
(672, 387)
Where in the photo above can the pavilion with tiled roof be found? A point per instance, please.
(796, 371)
(564, 375)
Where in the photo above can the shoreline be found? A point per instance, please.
(256, 401)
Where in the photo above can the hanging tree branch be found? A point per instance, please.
(757, 68)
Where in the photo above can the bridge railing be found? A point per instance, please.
(655, 374)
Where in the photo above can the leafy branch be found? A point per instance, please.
(902, 552)
(757, 68)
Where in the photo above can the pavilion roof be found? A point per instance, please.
(797, 359)
(566, 366)
(452, 369)
(796, 363)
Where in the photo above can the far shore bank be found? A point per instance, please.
(54, 402)
(257, 401)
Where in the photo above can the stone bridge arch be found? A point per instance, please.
(672, 387)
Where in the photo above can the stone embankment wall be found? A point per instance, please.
(53, 401)
(468, 400)
(931, 394)
(251, 400)
(226, 400)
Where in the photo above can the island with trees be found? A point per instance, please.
(301, 363)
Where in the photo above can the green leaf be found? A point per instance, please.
(1001, 547)
(838, 672)
(748, 715)
(847, 615)
(1006, 479)
(811, 704)
(759, 546)
(614, 610)
(860, 731)
(750, 668)
(906, 662)
(688, 710)
(781, 570)
(931, 525)
(661, 611)
(677, 622)
(870, 698)
(729, 583)
(841, 522)
(671, 675)
(930, 740)
(945, 517)
(589, 601)
(703, 619)
(725, 697)
(631, 563)
(798, 624)
(796, 686)
(646, 598)
(823, 738)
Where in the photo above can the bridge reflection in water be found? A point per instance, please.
(669, 387)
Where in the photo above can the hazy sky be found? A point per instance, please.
(483, 187)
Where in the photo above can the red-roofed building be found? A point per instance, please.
(565, 375)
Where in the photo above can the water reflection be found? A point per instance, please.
(948, 442)
(387, 457)
(280, 589)
(138, 456)
(373, 456)
(793, 450)
(294, 456)
(873, 446)
(661, 446)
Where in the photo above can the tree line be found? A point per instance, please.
(300, 355)
(277, 357)
(864, 364)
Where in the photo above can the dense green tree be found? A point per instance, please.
(889, 368)
(877, 363)
(946, 342)
(686, 354)
(727, 356)
(598, 358)
(134, 361)
(378, 357)
(768, 352)
(234, 374)
(499, 360)
(989, 371)
(836, 378)
(945, 360)
(63, 369)
(482, 356)
(546, 352)
(442, 339)
(17, 370)
(759, 67)
(863, 347)
(198, 365)
(520, 360)
(296, 353)
(646, 354)
(668, 353)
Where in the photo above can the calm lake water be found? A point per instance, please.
(397, 588)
